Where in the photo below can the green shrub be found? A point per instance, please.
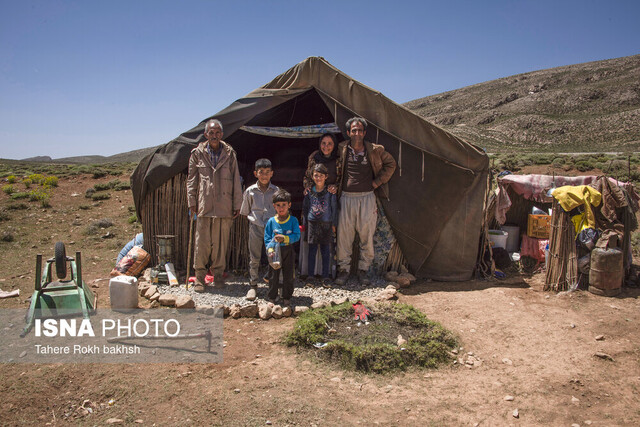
(133, 219)
(541, 159)
(585, 165)
(7, 236)
(8, 189)
(102, 186)
(39, 195)
(4, 216)
(20, 195)
(11, 179)
(89, 193)
(84, 207)
(100, 196)
(50, 181)
(27, 183)
(99, 174)
(118, 185)
(36, 178)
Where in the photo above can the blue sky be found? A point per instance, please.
(105, 77)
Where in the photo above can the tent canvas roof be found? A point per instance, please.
(436, 194)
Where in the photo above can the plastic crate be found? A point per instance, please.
(539, 226)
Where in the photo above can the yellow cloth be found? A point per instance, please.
(579, 222)
(572, 196)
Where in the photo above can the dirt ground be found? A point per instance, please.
(534, 346)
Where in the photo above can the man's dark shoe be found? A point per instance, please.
(342, 277)
(199, 287)
(363, 277)
(218, 281)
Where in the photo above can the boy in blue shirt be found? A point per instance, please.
(284, 229)
(320, 216)
(257, 206)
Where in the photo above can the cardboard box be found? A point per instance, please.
(539, 226)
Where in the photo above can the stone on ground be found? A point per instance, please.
(264, 311)
(299, 309)
(168, 300)
(277, 312)
(250, 310)
(151, 291)
(185, 301)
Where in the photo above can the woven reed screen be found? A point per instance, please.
(165, 211)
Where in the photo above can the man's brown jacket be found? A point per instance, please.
(382, 163)
(215, 192)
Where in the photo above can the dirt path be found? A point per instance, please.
(549, 340)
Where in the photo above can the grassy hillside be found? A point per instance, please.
(590, 107)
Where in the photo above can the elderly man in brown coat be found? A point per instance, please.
(363, 168)
(215, 194)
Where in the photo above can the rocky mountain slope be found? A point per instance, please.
(587, 107)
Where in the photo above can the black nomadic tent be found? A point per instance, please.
(437, 193)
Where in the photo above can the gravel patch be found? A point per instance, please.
(305, 292)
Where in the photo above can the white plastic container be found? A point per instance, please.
(513, 241)
(498, 238)
(123, 292)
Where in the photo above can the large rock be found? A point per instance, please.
(389, 293)
(319, 304)
(185, 301)
(155, 297)
(264, 311)
(234, 311)
(409, 276)
(299, 309)
(151, 291)
(391, 276)
(168, 300)
(287, 312)
(250, 310)
(277, 312)
(143, 287)
(340, 300)
(403, 281)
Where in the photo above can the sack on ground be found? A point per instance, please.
(133, 263)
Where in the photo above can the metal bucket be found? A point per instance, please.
(606, 272)
(165, 248)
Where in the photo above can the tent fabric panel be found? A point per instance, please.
(454, 256)
(419, 208)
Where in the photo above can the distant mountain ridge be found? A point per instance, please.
(589, 107)
(129, 156)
